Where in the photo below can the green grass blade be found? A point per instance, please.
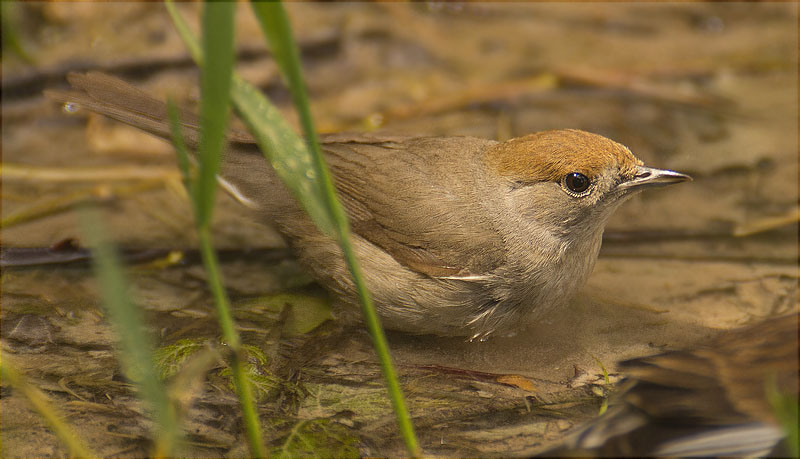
(275, 25)
(231, 337)
(136, 345)
(185, 33)
(218, 53)
(46, 410)
(285, 150)
(215, 103)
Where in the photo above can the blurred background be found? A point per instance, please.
(708, 89)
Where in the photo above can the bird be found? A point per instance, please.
(457, 236)
(713, 399)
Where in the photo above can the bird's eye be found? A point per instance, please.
(577, 182)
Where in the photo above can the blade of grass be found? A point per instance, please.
(231, 337)
(136, 346)
(285, 150)
(186, 34)
(275, 26)
(215, 103)
(215, 107)
(46, 410)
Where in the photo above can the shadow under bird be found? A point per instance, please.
(456, 235)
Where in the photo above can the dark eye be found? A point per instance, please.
(576, 182)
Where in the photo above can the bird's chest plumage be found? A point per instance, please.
(542, 273)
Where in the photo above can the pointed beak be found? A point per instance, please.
(648, 177)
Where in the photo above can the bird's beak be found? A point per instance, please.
(648, 177)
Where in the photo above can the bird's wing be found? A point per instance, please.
(388, 186)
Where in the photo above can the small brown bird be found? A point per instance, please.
(456, 235)
(711, 400)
